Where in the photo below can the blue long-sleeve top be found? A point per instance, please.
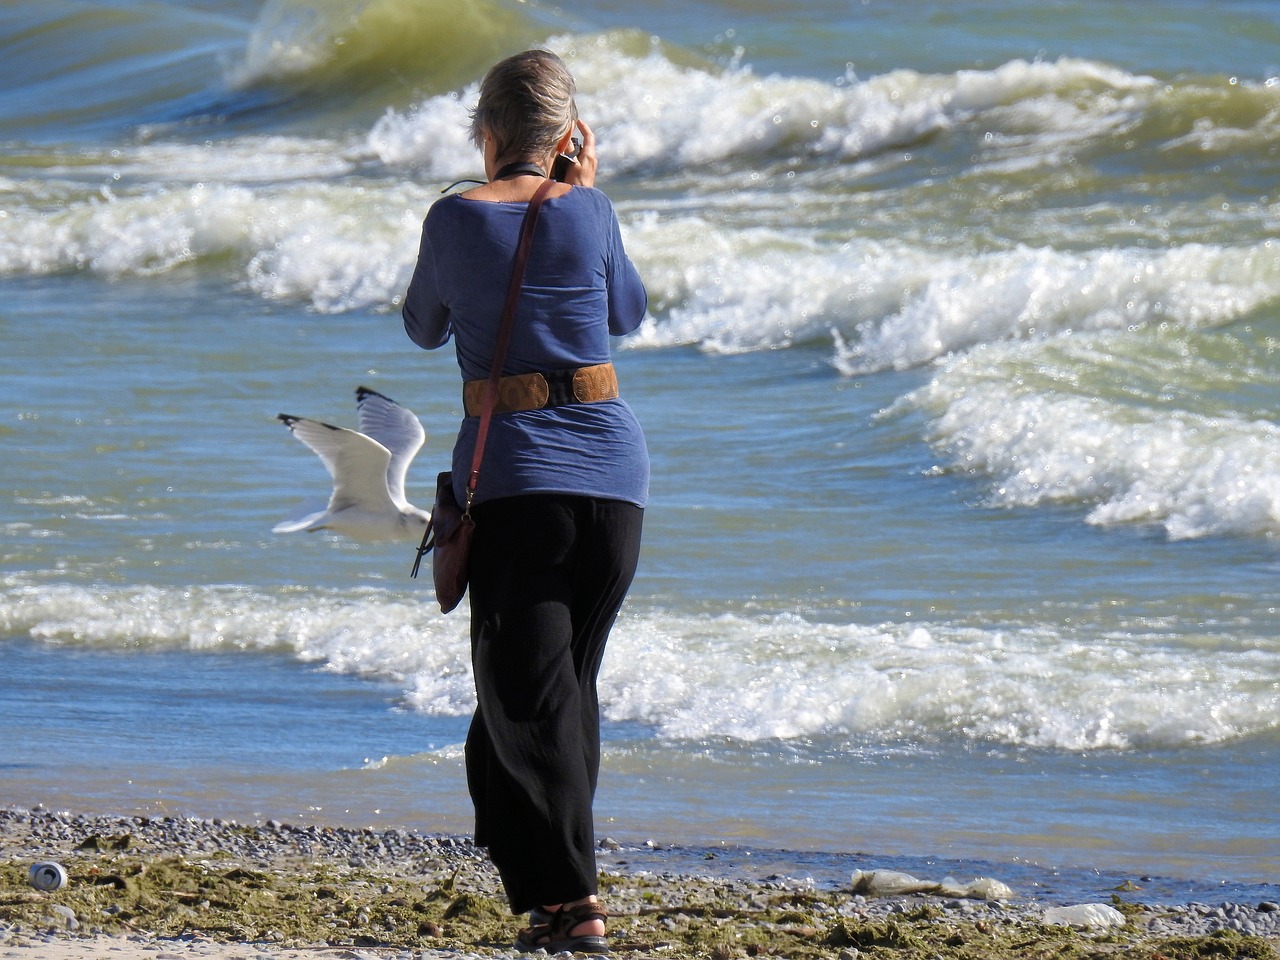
(579, 289)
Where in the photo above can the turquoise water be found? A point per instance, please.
(959, 381)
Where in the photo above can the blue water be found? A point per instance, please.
(958, 380)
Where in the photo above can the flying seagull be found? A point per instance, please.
(368, 467)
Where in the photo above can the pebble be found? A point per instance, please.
(1085, 916)
(63, 918)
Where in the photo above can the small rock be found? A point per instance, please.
(1085, 916)
(980, 888)
(63, 917)
(889, 883)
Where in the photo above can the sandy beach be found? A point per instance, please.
(173, 889)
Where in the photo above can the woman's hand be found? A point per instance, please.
(583, 173)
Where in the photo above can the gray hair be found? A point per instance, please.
(526, 106)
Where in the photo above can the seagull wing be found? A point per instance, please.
(397, 429)
(357, 463)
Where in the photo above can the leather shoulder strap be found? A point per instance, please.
(504, 333)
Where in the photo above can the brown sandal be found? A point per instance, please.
(556, 935)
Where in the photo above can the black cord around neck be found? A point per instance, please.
(519, 169)
(510, 170)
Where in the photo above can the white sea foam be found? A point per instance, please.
(364, 634)
(1030, 293)
(735, 677)
(652, 113)
(894, 306)
(337, 248)
(434, 138)
(334, 222)
(1129, 454)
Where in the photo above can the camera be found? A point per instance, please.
(560, 169)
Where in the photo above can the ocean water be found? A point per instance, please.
(960, 381)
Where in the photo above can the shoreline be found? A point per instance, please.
(173, 889)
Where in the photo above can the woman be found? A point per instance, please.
(562, 487)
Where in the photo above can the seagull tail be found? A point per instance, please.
(311, 520)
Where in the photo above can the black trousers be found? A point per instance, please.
(548, 576)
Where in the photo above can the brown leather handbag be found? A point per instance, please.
(451, 528)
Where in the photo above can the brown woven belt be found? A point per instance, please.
(534, 391)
